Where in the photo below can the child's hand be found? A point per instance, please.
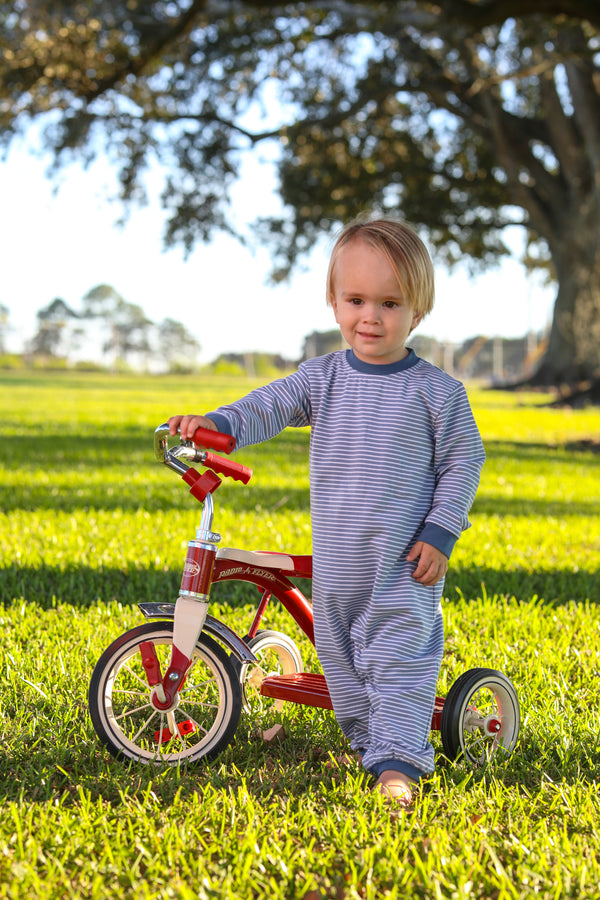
(432, 566)
(188, 425)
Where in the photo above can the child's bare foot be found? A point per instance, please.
(395, 787)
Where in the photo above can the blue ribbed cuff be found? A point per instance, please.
(438, 537)
(397, 765)
(220, 421)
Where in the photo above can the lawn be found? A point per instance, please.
(90, 525)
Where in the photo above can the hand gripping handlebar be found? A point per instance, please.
(208, 438)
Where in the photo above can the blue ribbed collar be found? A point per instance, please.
(386, 368)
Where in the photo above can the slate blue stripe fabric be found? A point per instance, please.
(395, 457)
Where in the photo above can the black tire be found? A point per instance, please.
(481, 717)
(204, 721)
(277, 654)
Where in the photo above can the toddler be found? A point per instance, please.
(395, 458)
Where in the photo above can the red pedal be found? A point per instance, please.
(184, 728)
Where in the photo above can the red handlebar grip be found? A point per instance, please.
(206, 437)
(228, 468)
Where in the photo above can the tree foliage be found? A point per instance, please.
(4, 326)
(109, 328)
(175, 345)
(54, 335)
(460, 119)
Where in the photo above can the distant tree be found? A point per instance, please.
(51, 337)
(4, 317)
(100, 302)
(130, 332)
(448, 113)
(253, 364)
(176, 347)
(125, 326)
(318, 343)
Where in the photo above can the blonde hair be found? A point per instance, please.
(403, 249)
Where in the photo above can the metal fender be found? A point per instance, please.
(212, 626)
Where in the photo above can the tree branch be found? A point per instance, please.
(152, 51)
(494, 12)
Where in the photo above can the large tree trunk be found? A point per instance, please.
(573, 354)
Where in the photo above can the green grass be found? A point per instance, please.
(90, 525)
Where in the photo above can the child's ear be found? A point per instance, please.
(416, 320)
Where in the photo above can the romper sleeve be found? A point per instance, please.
(458, 459)
(266, 411)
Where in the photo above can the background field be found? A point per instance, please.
(90, 525)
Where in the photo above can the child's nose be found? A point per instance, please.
(371, 313)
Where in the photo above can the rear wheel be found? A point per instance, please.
(276, 654)
(481, 717)
(203, 718)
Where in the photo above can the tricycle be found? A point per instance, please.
(173, 690)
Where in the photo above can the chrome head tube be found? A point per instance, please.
(205, 532)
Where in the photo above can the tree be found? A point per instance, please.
(463, 121)
(4, 326)
(52, 337)
(126, 325)
(175, 345)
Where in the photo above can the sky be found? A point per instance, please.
(60, 242)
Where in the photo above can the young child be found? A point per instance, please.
(395, 458)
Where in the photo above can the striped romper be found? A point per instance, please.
(395, 457)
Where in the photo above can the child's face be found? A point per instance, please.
(374, 316)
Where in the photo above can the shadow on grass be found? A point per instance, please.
(292, 767)
(580, 452)
(130, 447)
(519, 507)
(259, 499)
(552, 586)
(40, 770)
(153, 497)
(533, 763)
(83, 586)
(123, 456)
(160, 492)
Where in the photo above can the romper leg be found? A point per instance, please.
(347, 688)
(400, 660)
(382, 666)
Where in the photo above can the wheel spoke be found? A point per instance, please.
(189, 701)
(481, 741)
(130, 693)
(135, 675)
(145, 725)
(134, 710)
(196, 685)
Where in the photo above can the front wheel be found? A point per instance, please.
(481, 717)
(204, 716)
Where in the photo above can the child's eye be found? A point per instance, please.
(390, 304)
(356, 301)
